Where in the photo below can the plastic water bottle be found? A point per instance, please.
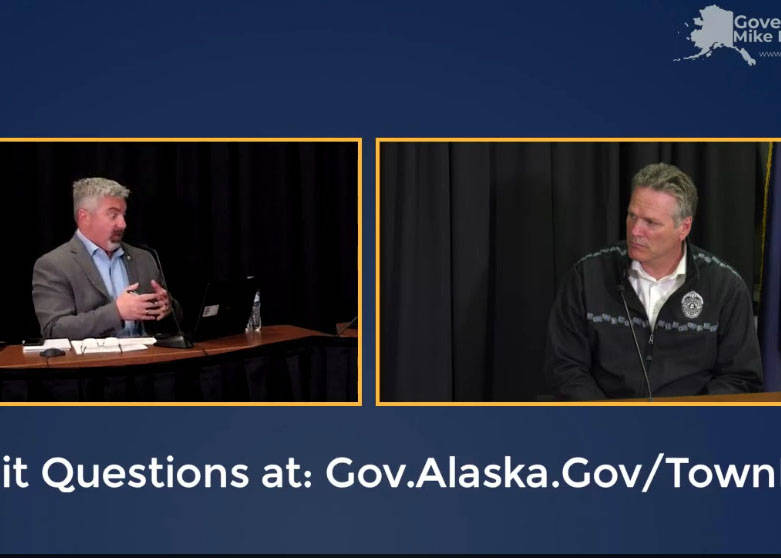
(254, 324)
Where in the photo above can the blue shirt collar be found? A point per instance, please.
(92, 247)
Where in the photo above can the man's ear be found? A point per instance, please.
(81, 215)
(685, 228)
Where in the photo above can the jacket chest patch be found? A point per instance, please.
(692, 304)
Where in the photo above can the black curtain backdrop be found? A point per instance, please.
(475, 238)
(285, 212)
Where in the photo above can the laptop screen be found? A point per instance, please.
(225, 309)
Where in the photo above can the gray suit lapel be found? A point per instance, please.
(131, 265)
(84, 260)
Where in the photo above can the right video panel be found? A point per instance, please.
(570, 270)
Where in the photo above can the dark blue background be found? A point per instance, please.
(254, 69)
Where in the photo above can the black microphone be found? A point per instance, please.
(637, 345)
(179, 340)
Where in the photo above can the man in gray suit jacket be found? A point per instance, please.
(95, 285)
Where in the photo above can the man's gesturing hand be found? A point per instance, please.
(134, 306)
(163, 302)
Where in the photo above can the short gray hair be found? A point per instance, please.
(87, 191)
(663, 177)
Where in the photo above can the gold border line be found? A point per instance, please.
(379, 403)
(360, 272)
(183, 140)
(582, 404)
(179, 404)
(575, 140)
(358, 403)
(377, 272)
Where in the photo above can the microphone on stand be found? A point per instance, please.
(637, 345)
(178, 340)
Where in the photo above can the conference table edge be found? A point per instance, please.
(12, 357)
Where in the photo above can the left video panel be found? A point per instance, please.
(181, 271)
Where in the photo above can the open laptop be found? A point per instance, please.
(225, 308)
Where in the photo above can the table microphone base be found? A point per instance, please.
(174, 342)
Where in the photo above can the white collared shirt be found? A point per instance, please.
(653, 293)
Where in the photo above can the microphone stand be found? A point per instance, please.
(637, 345)
(178, 340)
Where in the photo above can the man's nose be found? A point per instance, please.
(121, 222)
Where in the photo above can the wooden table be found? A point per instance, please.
(13, 357)
(278, 363)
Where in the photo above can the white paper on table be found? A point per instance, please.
(129, 344)
(90, 346)
(127, 347)
(124, 341)
(111, 345)
(63, 344)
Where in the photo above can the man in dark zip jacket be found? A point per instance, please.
(692, 329)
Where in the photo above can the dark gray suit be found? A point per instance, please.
(70, 297)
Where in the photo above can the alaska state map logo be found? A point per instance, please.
(717, 28)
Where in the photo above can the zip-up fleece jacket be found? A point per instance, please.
(704, 341)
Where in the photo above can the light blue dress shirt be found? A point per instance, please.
(114, 274)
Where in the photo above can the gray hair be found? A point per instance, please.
(87, 192)
(663, 177)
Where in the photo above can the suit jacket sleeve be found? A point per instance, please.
(568, 351)
(738, 363)
(55, 306)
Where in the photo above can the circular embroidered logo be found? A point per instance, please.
(692, 304)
